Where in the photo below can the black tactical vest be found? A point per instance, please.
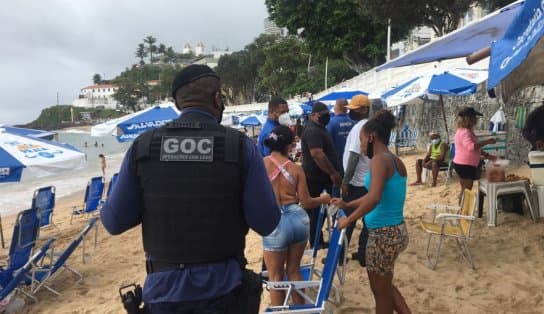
(190, 173)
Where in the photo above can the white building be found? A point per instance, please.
(199, 49)
(187, 49)
(100, 95)
(270, 28)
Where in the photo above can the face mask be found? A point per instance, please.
(369, 150)
(284, 119)
(435, 141)
(355, 115)
(324, 119)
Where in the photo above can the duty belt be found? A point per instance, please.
(158, 266)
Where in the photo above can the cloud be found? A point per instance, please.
(57, 46)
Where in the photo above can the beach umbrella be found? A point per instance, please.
(454, 82)
(253, 121)
(517, 60)
(23, 156)
(47, 135)
(330, 98)
(128, 127)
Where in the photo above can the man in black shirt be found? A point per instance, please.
(319, 160)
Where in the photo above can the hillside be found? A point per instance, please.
(58, 117)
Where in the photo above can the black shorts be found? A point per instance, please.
(466, 171)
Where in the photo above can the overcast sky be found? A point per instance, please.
(57, 45)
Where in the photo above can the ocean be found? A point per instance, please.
(18, 196)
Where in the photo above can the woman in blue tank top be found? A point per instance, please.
(382, 208)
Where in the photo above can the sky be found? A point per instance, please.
(56, 46)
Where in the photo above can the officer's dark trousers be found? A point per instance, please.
(316, 188)
(226, 304)
(354, 193)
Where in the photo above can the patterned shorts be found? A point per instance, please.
(383, 247)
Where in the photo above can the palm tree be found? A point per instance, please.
(150, 40)
(170, 54)
(162, 49)
(141, 53)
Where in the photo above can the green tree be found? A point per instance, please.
(161, 49)
(141, 53)
(442, 16)
(150, 41)
(127, 94)
(170, 54)
(97, 78)
(336, 29)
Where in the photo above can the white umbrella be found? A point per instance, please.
(27, 157)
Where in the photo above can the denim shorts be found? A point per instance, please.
(294, 227)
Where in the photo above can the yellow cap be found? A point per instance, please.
(358, 101)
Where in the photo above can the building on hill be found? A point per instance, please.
(187, 49)
(270, 28)
(99, 95)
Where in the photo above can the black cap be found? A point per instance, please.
(469, 112)
(190, 74)
(319, 107)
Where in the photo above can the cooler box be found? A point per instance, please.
(536, 163)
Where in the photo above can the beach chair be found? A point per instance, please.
(456, 224)
(324, 285)
(44, 198)
(448, 170)
(93, 195)
(113, 180)
(43, 273)
(25, 233)
(20, 275)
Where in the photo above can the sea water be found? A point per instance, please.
(17, 196)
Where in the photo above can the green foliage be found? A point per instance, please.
(141, 53)
(97, 78)
(441, 15)
(336, 29)
(57, 117)
(271, 65)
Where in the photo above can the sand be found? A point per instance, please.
(508, 258)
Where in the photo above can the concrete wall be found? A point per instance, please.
(428, 117)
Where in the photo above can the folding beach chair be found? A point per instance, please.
(93, 195)
(25, 233)
(111, 184)
(324, 285)
(43, 273)
(448, 169)
(44, 198)
(21, 273)
(452, 225)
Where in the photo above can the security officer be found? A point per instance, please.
(196, 187)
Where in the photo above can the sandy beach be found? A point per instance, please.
(508, 259)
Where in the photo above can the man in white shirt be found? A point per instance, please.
(356, 166)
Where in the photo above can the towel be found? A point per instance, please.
(498, 120)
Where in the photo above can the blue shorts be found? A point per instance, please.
(294, 227)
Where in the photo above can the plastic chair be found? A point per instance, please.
(452, 225)
(93, 196)
(44, 198)
(20, 276)
(324, 285)
(42, 274)
(447, 169)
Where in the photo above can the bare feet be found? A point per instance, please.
(416, 183)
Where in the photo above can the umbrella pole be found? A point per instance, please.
(441, 99)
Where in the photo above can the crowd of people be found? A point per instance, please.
(196, 187)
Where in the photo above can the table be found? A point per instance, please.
(494, 189)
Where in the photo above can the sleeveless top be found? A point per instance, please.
(436, 151)
(389, 210)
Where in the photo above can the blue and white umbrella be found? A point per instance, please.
(23, 157)
(253, 121)
(46, 135)
(517, 60)
(455, 82)
(127, 128)
(331, 98)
